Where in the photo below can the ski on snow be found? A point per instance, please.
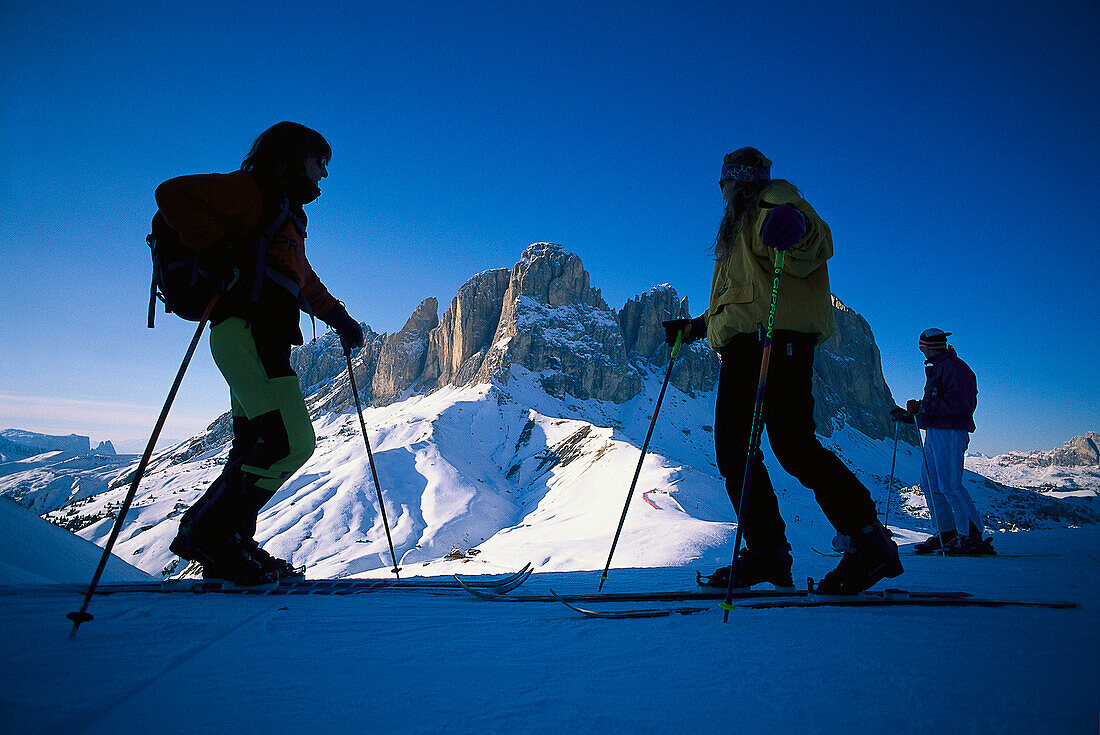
(644, 613)
(953, 556)
(301, 586)
(886, 598)
(759, 599)
(664, 596)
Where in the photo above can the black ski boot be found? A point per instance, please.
(754, 567)
(273, 565)
(873, 556)
(206, 536)
(967, 546)
(934, 542)
(230, 561)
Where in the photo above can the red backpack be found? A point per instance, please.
(186, 280)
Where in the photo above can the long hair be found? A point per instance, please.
(746, 199)
(278, 154)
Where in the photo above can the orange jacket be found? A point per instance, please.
(208, 209)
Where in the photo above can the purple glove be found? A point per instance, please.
(783, 227)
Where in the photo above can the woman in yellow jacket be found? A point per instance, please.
(764, 216)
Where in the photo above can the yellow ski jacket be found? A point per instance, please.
(740, 291)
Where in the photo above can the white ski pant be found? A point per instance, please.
(941, 476)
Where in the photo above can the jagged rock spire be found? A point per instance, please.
(544, 315)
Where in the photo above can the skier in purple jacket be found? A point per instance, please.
(946, 413)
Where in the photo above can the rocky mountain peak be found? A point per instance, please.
(544, 315)
(1080, 451)
(549, 273)
(403, 355)
(641, 318)
(456, 347)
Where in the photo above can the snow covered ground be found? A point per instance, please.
(34, 551)
(408, 662)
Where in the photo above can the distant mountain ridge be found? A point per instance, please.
(1080, 451)
(1071, 470)
(20, 444)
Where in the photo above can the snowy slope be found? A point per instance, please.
(33, 551)
(496, 476)
(53, 479)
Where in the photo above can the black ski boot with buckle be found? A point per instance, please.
(873, 555)
(230, 561)
(273, 565)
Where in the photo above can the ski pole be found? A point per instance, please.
(890, 485)
(641, 459)
(928, 490)
(370, 458)
(755, 432)
(82, 615)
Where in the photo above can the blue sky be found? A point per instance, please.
(951, 147)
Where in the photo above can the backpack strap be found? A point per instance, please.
(260, 249)
(263, 270)
(153, 284)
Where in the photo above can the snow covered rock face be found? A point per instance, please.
(1080, 451)
(1071, 473)
(640, 319)
(457, 347)
(544, 315)
(25, 442)
(322, 371)
(849, 388)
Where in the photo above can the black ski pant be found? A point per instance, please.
(789, 419)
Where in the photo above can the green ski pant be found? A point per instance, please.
(282, 437)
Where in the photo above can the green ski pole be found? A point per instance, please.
(755, 432)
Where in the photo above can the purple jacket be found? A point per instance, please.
(950, 394)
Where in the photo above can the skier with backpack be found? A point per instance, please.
(767, 222)
(247, 230)
(946, 413)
